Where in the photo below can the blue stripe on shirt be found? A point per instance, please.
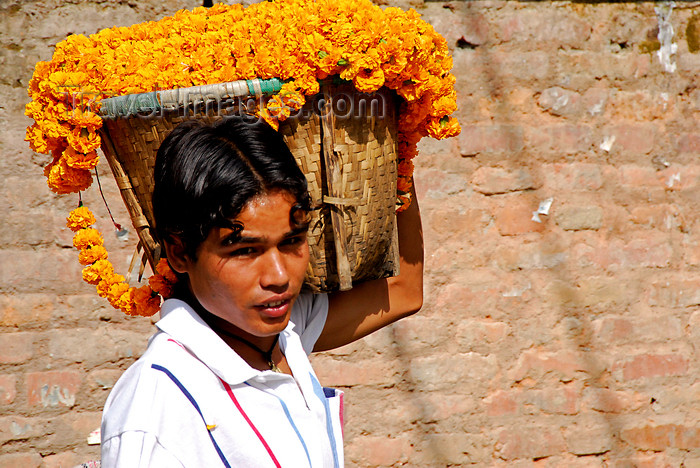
(196, 406)
(321, 394)
(291, 421)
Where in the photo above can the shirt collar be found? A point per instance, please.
(186, 327)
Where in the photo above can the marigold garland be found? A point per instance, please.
(99, 271)
(298, 41)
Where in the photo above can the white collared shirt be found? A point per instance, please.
(191, 401)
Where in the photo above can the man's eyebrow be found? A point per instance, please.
(237, 238)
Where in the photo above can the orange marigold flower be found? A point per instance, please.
(146, 301)
(65, 179)
(90, 255)
(163, 269)
(80, 218)
(405, 168)
(80, 160)
(125, 301)
(83, 140)
(445, 127)
(115, 291)
(107, 282)
(368, 80)
(87, 237)
(403, 184)
(93, 274)
(160, 285)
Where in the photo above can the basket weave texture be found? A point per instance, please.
(347, 150)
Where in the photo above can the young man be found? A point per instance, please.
(226, 381)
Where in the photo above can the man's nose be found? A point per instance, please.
(274, 270)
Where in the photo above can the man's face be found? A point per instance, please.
(251, 278)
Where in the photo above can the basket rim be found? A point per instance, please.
(129, 105)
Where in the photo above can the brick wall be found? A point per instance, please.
(569, 341)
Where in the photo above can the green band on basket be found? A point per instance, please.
(270, 86)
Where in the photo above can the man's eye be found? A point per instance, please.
(294, 240)
(242, 251)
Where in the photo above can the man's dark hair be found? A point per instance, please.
(206, 173)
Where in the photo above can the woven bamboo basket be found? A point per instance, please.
(343, 141)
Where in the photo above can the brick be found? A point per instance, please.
(607, 400)
(53, 388)
(103, 379)
(62, 460)
(529, 441)
(675, 293)
(380, 451)
(640, 106)
(492, 139)
(73, 426)
(8, 389)
(691, 249)
(578, 218)
(661, 437)
(515, 217)
(560, 138)
(588, 438)
(16, 347)
(595, 291)
(603, 291)
(530, 256)
(639, 176)
(18, 310)
(493, 180)
(652, 251)
(560, 102)
(21, 460)
(457, 24)
(31, 270)
(551, 29)
(35, 227)
(521, 67)
(647, 460)
(348, 374)
(680, 178)
(106, 344)
(437, 372)
(595, 100)
(472, 333)
(553, 400)
(416, 333)
(569, 461)
(612, 330)
(634, 138)
(653, 365)
(694, 327)
(502, 403)
(534, 363)
(452, 449)
(439, 407)
(647, 327)
(572, 177)
(664, 216)
(20, 428)
(645, 250)
(449, 221)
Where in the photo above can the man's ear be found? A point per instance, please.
(175, 251)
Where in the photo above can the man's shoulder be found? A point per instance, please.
(151, 387)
